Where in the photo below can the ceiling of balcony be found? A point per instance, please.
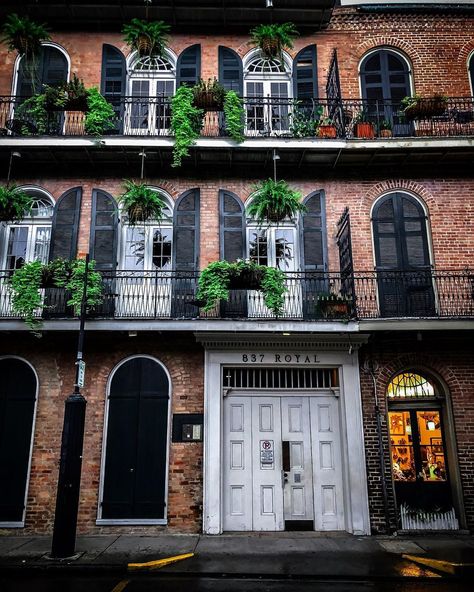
(201, 15)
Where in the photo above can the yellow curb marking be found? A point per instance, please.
(159, 562)
(440, 565)
(121, 586)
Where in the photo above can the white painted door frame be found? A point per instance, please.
(356, 510)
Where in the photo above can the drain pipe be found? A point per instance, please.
(371, 367)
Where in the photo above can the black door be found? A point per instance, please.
(17, 406)
(136, 444)
(385, 81)
(402, 258)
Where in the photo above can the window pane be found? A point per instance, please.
(284, 249)
(161, 249)
(17, 245)
(431, 446)
(41, 247)
(401, 445)
(258, 247)
(135, 249)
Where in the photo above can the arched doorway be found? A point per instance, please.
(18, 392)
(418, 433)
(402, 257)
(134, 480)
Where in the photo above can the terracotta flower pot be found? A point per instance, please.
(327, 131)
(385, 133)
(364, 130)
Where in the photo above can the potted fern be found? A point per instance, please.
(147, 38)
(418, 107)
(23, 35)
(140, 203)
(14, 203)
(274, 201)
(219, 277)
(273, 39)
(209, 95)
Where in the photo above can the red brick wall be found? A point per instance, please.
(445, 357)
(53, 358)
(449, 203)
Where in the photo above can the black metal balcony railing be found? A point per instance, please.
(264, 117)
(372, 295)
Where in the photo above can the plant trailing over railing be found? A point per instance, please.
(141, 203)
(418, 107)
(216, 280)
(23, 35)
(27, 282)
(304, 121)
(14, 203)
(100, 115)
(147, 38)
(209, 95)
(234, 116)
(186, 123)
(273, 39)
(274, 201)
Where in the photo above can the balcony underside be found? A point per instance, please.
(73, 155)
(195, 15)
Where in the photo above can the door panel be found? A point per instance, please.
(298, 488)
(327, 463)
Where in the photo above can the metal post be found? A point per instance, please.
(69, 482)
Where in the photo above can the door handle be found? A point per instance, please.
(284, 478)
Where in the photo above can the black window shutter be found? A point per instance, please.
(66, 225)
(231, 226)
(313, 229)
(51, 68)
(305, 74)
(103, 237)
(186, 231)
(112, 85)
(189, 66)
(230, 70)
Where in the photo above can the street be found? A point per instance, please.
(153, 583)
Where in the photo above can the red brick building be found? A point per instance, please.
(234, 419)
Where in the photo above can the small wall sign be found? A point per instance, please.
(188, 427)
(266, 452)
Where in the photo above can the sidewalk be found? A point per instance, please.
(302, 555)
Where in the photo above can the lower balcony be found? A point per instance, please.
(321, 297)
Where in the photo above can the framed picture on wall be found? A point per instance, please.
(397, 424)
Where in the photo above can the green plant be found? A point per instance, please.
(385, 124)
(74, 284)
(27, 300)
(148, 38)
(214, 283)
(140, 202)
(418, 107)
(100, 116)
(274, 201)
(76, 94)
(14, 203)
(305, 122)
(209, 94)
(35, 110)
(23, 35)
(27, 281)
(186, 123)
(362, 117)
(234, 116)
(273, 39)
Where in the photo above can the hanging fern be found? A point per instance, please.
(234, 116)
(186, 123)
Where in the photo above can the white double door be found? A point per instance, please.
(282, 463)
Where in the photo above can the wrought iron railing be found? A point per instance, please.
(309, 296)
(263, 117)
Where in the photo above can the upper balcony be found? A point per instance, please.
(184, 15)
(361, 133)
(314, 301)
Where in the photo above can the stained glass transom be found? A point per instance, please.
(263, 65)
(152, 64)
(409, 385)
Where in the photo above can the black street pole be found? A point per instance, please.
(69, 482)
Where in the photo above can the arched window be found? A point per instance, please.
(50, 67)
(18, 392)
(418, 450)
(385, 81)
(151, 84)
(267, 84)
(29, 239)
(134, 481)
(402, 256)
(113, 81)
